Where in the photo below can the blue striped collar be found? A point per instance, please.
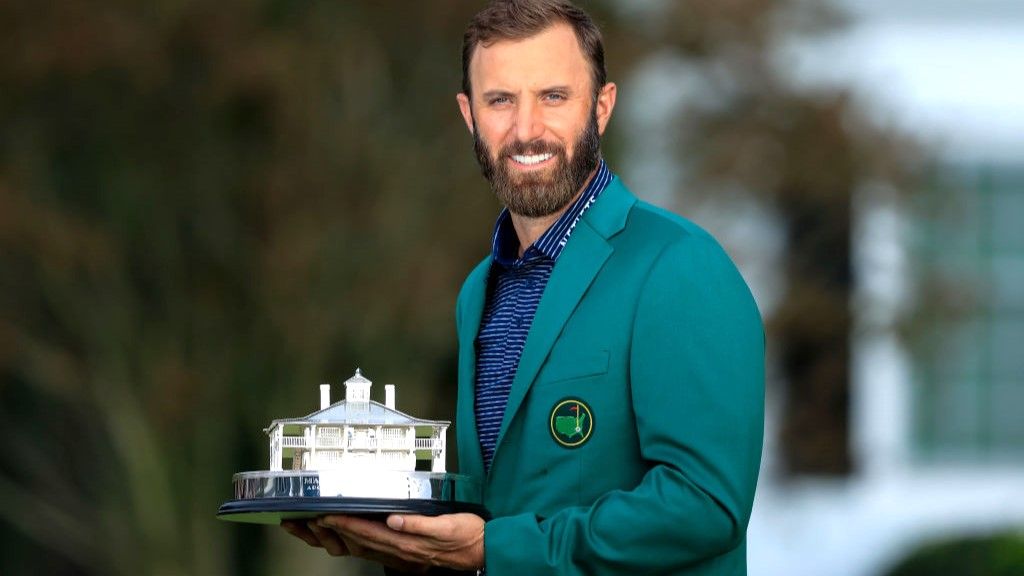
(505, 242)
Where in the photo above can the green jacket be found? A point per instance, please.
(632, 438)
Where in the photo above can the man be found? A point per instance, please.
(610, 355)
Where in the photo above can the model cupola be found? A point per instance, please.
(357, 388)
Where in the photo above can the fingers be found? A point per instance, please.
(372, 537)
(410, 543)
(372, 540)
(301, 531)
(329, 539)
(356, 526)
(313, 534)
(344, 536)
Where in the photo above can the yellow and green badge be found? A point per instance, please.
(572, 422)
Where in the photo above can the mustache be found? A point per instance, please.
(519, 148)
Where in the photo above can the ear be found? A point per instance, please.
(466, 109)
(605, 105)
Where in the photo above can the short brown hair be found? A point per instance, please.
(519, 19)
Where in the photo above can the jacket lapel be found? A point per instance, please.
(471, 307)
(579, 263)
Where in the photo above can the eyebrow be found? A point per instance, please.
(548, 90)
(495, 93)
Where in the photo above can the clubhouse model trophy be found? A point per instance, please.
(355, 456)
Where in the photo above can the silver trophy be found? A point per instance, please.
(355, 456)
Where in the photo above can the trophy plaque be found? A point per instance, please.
(357, 457)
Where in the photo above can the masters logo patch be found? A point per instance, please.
(571, 423)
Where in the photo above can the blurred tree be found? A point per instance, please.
(207, 208)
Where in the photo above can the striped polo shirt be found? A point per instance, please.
(514, 288)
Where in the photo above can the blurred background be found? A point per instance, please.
(209, 208)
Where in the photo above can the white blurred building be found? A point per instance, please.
(939, 433)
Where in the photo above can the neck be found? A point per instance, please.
(530, 229)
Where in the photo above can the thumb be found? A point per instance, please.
(395, 522)
(409, 523)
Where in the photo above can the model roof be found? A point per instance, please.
(369, 412)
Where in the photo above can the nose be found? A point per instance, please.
(529, 122)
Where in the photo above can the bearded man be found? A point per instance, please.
(611, 358)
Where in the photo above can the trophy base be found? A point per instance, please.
(267, 497)
(274, 510)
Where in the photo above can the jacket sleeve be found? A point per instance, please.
(696, 377)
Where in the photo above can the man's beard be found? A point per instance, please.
(533, 194)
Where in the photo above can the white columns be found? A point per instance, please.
(379, 440)
(439, 449)
(277, 447)
(312, 447)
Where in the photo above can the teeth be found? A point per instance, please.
(535, 159)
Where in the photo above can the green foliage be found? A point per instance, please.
(208, 209)
(996, 555)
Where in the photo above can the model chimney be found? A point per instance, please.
(389, 396)
(325, 396)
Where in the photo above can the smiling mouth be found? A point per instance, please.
(531, 159)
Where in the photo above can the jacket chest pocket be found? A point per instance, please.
(573, 365)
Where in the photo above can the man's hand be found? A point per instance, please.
(407, 543)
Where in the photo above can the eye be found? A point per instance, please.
(498, 100)
(555, 97)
